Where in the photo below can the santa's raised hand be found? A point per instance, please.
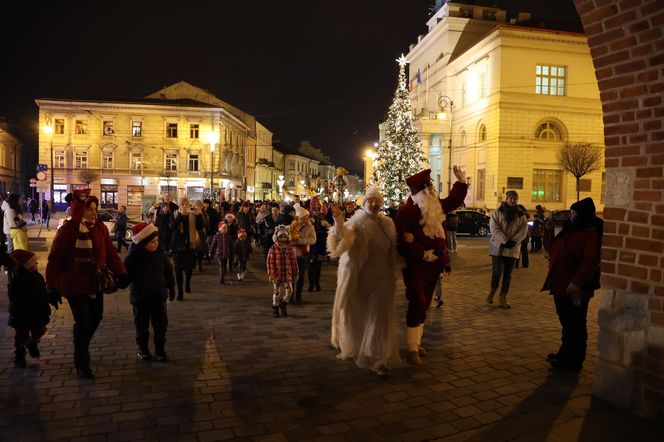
(459, 174)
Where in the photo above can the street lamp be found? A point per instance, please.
(48, 129)
(280, 183)
(443, 103)
(213, 138)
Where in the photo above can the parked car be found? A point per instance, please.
(473, 222)
(107, 216)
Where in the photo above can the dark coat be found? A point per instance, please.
(150, 274)
(575, 257)
(28, 300)
(70, 277)
(163, 222)
(242, 249)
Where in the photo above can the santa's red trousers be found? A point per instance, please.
(420, 283)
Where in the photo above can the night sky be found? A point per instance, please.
(322, 71)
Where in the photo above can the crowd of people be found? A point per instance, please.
(374, 248)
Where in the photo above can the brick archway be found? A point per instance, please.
(626, 39)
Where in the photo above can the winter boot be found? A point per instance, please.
(492, 293)
(503, 301)
(33, 349)
(412, 345)
(19, 358)
(144, 353)
(160, 353)
(275, 311)
(284, 309)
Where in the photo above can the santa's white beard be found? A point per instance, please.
(432, 213)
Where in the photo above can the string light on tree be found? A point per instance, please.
(400, 153)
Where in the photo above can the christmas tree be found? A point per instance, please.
(400, 153)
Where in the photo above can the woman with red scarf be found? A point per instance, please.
(82, 247)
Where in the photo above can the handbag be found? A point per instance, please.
(104, 281)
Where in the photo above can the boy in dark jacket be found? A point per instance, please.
(243, 253)
(29, 311)
(221, 248)
(151, 282)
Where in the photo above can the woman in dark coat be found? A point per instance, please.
(185, 243)
(574, 271)
(163, 221)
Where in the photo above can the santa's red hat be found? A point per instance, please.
(241, 231)
(79, 202)
(419, 181)
(25, 258)
(143, 232)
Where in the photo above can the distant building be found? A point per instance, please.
(14, 164)
(500, 98)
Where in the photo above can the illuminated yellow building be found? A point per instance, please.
(131, 152)
(500, 100)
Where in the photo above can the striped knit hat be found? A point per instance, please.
(143, 233)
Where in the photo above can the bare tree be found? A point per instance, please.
(580, 159)
(88, 176)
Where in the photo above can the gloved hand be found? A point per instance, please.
(509, 244)
(54, 298)
(171, 293)
(429, 256)
(122, 280)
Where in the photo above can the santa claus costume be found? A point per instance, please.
(422, 243)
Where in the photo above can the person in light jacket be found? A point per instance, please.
(303, 235)
(508, 228)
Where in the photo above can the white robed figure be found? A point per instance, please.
(364, 324)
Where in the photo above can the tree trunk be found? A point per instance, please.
(577, 187)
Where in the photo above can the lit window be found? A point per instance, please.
(171, 130)
(193, 162)
(291, 165)
(108, 128)
(546, 185)
(171, 161)
(59, 126)
(550, 80)
(193, 131)
(548, 132)
(81, 160)
(107, 160)
(136, 161)
(59, 158)
(81, 127)
(136, 129)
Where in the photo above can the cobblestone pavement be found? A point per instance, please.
(237, 373)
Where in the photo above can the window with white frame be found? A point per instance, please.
(550, 80)
(59, 159)
(171, 130)
(171, 161)
(546, 185)
(136, 129)
(107, 159)
(481, 133)
(193, 162)
(548, 131)
(81, 160)
(81, 127)
(59, 126)
(135, 160)
(463, 139)
(107, 128)
(194, 130)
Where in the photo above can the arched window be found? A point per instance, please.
(481, 133)
(463, 138)
(548, 131)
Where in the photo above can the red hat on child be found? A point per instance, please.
(241, 231)
(25, 258)
(143, 232)
(221, 224)
(419, 181)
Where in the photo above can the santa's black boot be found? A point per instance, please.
(19, 358)
(275, 311)
(284, 309)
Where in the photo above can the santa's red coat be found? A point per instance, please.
(420, 277)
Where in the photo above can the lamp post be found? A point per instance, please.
(48, 129)
(280, 183)
(369, 160)
(213, 138)
(443, 103)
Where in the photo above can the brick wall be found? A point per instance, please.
(626, 40)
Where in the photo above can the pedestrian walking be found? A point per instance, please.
(423, 245)
(574, 275)
(508, 229)
(523, 257)
(303, 236)
(231, 220)
(364, 317)
(29, 310)
(213, 223)
(163, 221)
(536, 235)
(221, 248)
(81, 253)
(13, 222)
(151, 283)
(451, 225)
(187, 221)
(318, 251)
(121, 228)
(242, 252)
(282, 270)
(33, 208)
(46, 213)
(270, 224)
(203, 249)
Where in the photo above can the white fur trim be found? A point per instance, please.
(30, 262)
(147, 231)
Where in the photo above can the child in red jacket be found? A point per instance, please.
(282, 270)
